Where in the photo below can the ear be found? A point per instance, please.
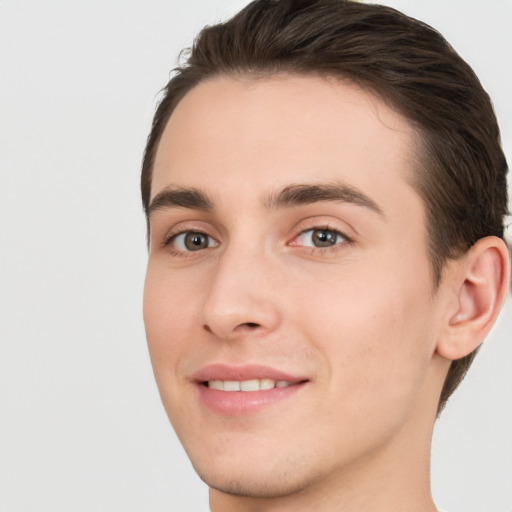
(479, 283)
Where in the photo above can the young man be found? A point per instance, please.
(325, 191)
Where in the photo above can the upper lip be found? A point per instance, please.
(220, 371)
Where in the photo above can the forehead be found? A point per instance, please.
(257, 134)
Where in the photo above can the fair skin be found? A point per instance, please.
(250, 278)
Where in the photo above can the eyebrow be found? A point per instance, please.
(289, 196)
(301, 194)
(192, 198)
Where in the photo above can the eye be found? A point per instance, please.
(192, 241)
(320, 237)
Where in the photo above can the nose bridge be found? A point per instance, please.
(241, 297)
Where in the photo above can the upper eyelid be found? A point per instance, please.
(314, 224)
(323, 228)
(173, 235)
(346, 238)
(185, 226)
(324, 221)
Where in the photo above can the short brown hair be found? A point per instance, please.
(461, 169)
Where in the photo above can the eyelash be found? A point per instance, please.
(171, 239)
(314, 249)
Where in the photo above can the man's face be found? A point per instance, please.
(288, 251)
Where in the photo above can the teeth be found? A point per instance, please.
(231, 385)
(267, 383)
(247, 385)
(216, 384)
(250, 385)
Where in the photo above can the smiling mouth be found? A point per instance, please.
(245, 390)
(248, 385)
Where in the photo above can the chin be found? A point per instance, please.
(262, 472)
(257, 485)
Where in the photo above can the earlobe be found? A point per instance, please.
(480, 283)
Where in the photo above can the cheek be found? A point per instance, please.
(373, 334)
(168, 311)
(171, 325)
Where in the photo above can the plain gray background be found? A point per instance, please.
(81, 425)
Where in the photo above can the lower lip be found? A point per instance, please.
(240, 403)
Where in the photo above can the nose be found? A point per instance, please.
(241, 299)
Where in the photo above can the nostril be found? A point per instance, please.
(248, 325)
